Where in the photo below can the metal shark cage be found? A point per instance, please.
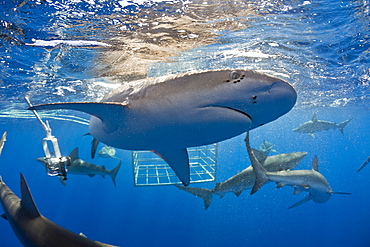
(151, 170)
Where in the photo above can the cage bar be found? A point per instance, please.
(151, 170)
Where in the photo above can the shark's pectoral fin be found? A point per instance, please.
(91, 175)
(178, 160)
(304, 200)
(107, 112)
(94, 146)
(27, 201)
(4, 217)
(340, 193)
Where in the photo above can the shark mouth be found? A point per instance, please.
(234, 109)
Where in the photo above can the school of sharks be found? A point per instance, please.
(167, 115)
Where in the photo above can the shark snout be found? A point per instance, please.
(284, 94)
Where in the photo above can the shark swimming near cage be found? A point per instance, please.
(170, 113)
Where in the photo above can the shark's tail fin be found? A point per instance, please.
(205, 194)
(113, 172)
(259, 170)
(343, 125)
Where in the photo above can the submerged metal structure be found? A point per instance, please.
(151, 170)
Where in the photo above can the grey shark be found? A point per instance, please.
(246, 178)
(81, 167)
(33, 229)
(2, 141)
(310, 181)
(170, 113)
(267, 147)
(316, 125)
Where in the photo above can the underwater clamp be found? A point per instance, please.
(56, 164)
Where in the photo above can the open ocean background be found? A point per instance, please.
(321, 47)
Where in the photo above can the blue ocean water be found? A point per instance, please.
(321, 47)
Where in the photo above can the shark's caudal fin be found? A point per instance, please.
(367, 161)
(205, 194)
(114, 171)
(258, 169)
(27, 202)
(178, 160)
(304, 200)
(343, 125)
(105, 111)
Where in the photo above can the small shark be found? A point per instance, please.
(246, 178)
(107, 152)
(81, 167)
(33, 229)
(267, 147)
(2, 141)
(315, 125)
(170, 113)
(367, 161)
(311, 181)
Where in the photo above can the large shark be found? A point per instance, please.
(80, 167)
(316, 125)
(2, 141)
(311, 181)
(167, 114)
(246, 178)
(33, 229)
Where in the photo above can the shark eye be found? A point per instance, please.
(234, 75)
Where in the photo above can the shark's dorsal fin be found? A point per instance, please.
(259, 155)
(314, 117)
(304, 200)
(101, 110)
(74, 155)
(178, 160)
(27, 203)
(315, 164)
